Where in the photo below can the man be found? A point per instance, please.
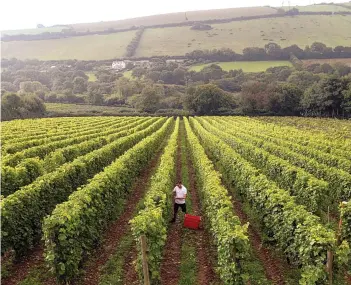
(179, 200)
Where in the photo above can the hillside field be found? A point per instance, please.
(246, 66)
(34, 31)
(90, 187)
(300, 30)
(92, 47)
(176, 18)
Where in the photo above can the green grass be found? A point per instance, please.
(77, 109)
(128, 74)
(246, 66)
(176, 18)
(92, 76)
(112, 273)
(300, 30)
(92, 47)
(34, 31)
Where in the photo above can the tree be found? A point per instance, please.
(318, 47)
(254, 53)
(31, 87)
(327, 68)
(178, 76)
(79, 85)
(8, 86)
(125, 87)
(212, 72)
(138, 72)
(342, 69)
(11, 102)
(206, 99)
(154, 75)
(273, 50)
(303, 79)
(325, 97)
(149, 100)
(289, 96)
(166, 77)
(346, 104)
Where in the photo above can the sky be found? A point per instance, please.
(26, 14)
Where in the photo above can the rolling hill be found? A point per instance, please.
(268, 26)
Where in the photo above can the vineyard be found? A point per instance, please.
(274, 195)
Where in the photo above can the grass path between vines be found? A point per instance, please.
(186, 259)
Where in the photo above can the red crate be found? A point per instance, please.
(192, 222)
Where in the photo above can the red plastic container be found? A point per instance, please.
(192, 222)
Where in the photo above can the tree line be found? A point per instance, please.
(169, 87)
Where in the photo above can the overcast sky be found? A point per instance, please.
(20, 14)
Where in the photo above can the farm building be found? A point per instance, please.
(118, 65)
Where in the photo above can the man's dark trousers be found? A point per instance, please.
(176, 207)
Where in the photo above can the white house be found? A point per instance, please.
(118, 65)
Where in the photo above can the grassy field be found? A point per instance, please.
(308, 62)
(34, 31)
(92, 76)
(301, 30)
(94, 47)
(128, 74)
(176, 18)
(77, 109)
(319, 8)
(246, 66)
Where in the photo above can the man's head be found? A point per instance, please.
(179, 184)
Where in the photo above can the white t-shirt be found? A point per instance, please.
(180, 193)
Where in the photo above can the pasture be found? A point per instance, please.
(176, 18)
(34, 31)
(300, 30)
(92, 47)
(246, 66)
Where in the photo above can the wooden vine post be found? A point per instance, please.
(144, 258)
(330, 266)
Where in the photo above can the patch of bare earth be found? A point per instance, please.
(22, 267)
(130, 276)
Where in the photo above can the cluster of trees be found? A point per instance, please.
(14, 106)
(319, 89)
(201, 27)
(271, 51)
(329, 96)
(133, 45)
